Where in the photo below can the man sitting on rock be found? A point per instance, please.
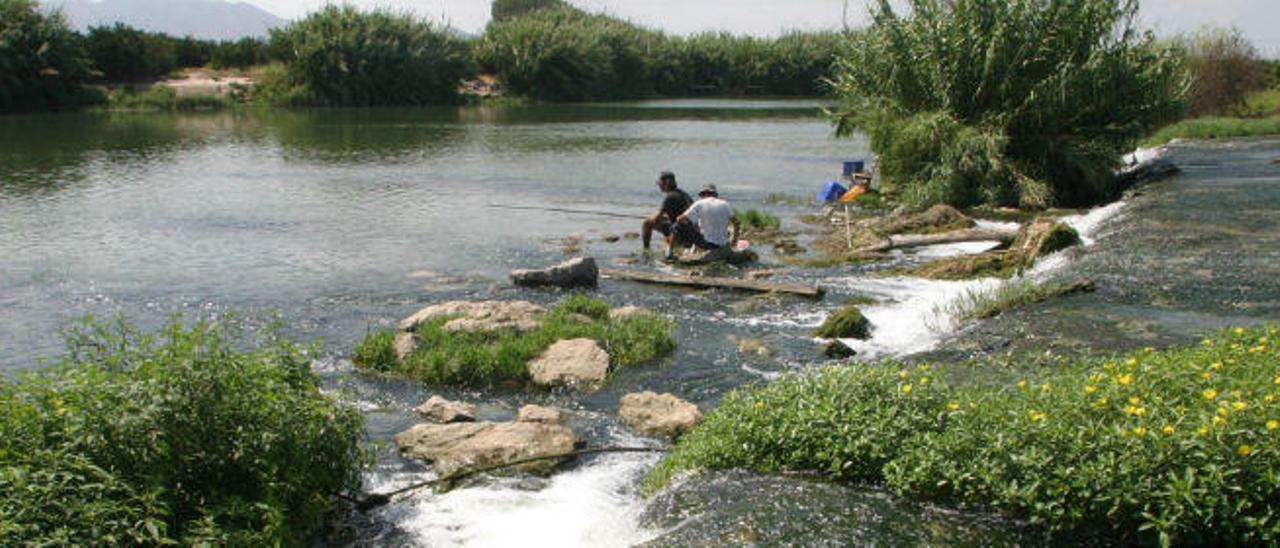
(674, 202)
(713, 217)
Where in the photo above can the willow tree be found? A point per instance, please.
(1005, 102)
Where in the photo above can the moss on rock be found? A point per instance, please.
(847, 323)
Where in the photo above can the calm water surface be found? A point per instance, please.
(346, 220)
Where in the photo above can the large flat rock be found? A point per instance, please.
(659, 414)
(576, 363)
(459, 447)
(478, 316)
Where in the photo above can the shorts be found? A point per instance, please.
(688, 235)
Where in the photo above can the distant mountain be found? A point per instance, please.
(209, 19)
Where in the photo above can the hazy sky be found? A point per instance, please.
(1259, 19)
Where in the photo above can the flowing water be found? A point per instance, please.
(343, 221)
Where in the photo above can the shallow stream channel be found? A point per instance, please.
(346, 221)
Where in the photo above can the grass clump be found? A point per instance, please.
(488, 358)
(978, 304)
(163, 98)
(1178, 447)
(183, 436)
(1215, 128)
(754, 219)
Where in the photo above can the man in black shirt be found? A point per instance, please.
(674, 203)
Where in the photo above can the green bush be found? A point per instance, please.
(496, 357)
(503, 10)
(1024, 102)
(196, 435)
(341, 56)
(1179, 447)
(125, 54)
(43, 64)
(242, 54)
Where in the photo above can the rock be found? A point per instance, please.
(480, 316)
(460, 447)
(540, 414)
(750, 347)
(698, 257)
(1035, 239)
(1041, 237)
(444, 411)
(847, 323)
(761, 274)
(578, 363)
(659, 414)
(580, 272)
(404, 345)
(631, 235)
(612, 239)
(937, 219)
(788, 247)
(838, 350)
(628, 312)
(1144, 173)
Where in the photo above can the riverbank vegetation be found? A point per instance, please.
(491, 358)
(1180, 446)
(1005, 103)
(190, 435)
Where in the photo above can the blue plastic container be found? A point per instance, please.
(854, 166)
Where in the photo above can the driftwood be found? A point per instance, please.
(713, 282)
(907, 241)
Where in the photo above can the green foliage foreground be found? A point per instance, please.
(176, 437)
(497, 357)
(1021, 102)
(1178, 446)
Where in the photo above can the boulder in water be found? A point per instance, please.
(472, 317)
(444, 411)
(836, 349)
(580, 272)
(540, 414)
(460, 447)
(577, 363)
(659, 414)
(629, 311)
(404, 345)
(846, 323)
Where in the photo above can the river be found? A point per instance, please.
(341, 221)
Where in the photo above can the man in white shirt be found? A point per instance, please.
(713, 217)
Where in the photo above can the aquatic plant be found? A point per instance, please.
(1180, 446)
(1025, 102)
(341, 56)
(502, 356)
(754, 219)
(45, 64)
(189, 435)
(848, 322)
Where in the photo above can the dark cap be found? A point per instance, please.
(709, 190)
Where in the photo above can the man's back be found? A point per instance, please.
(711, 215)
(675, 203)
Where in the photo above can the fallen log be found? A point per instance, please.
(810, 291)
(907, 241)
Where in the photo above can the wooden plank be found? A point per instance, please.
(810, 291)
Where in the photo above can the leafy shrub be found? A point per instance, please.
(345, 57)
(180, 436)
(494, 357)
(242, 54)
(193, 52)
(125, 54)
(1225, 69)
(507, 9)
(1180, 446)
(1026, 102)
(43, 64)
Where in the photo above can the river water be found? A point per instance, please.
(343, 221)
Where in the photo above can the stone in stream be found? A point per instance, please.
(659, 414)
(444, 411)
(404, 345)
(460, 447)
(628, 312)
(540, 414)
(580, 272)
(471, 316)
(847, 323)
(750, 347)
(576, 363)
(836, 349)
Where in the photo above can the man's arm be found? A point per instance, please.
(737, 229)
(690, 215)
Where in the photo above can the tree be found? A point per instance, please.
(347, 57)
(126, 54)
(42, 62)
(507, 9)
(1005, 102)
(1225, 70)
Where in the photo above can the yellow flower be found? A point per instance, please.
(1136, 411)
(1223, 411)
(1090, 389)
(1168, 430)
(1125, 379)
(1219, 420)
(953, 406)
(1096, 378)
(1210, 394)
(1131, 362)
(1022, 384)
(906, 389)
(1240, 406)
(1239, 331)
(1202, 430)
(1101, 402)
(759, 405)
(1139, 431)
(1206, 375)
(1272, 425)
(1269, 398)
(1215, 366)
(1208, 342)
(1135, 400)
(1262, 340)
(1244, 451)
(924, 381)
(903, 374)
(1036, 416)
(973, 405)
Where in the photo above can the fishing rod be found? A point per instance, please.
(568, 210)
(378, 500)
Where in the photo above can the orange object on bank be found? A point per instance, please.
(857, 190)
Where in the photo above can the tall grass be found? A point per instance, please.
(1215, 128)
(1023, 102)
